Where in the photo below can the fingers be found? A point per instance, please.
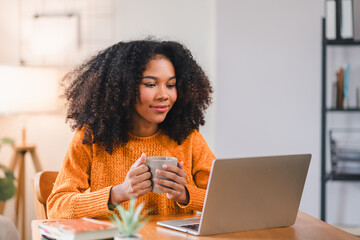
(143, 191)
(177, 175)
(138, 171)
(144, 185)
(138, 178)
(172, 176)
(176, 195)
(142, 177)
(168, 184)
(140, 189)
(138, 167)
(175, 169)
(140, 161)
(169, 191)
(139, 175)
(174, 185)
(128, 189)
(181, 165)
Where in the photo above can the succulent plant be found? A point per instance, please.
(131, 220)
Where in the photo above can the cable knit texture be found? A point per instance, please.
(82, 188)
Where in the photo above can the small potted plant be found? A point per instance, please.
(7, 179)
(130, 221)
(7, 185)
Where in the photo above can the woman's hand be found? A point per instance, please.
(175, 190)
(137, 183)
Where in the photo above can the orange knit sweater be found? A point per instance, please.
(82, 188)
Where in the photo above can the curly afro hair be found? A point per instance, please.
(101, 92)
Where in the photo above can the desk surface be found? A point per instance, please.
(306, 227)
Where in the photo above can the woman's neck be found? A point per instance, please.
(142, 127)
(144, 131)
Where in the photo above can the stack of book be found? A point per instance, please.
(81, 228)
(345, 151)
(342, 19)
(340, 88)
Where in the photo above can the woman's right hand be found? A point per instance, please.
(137, 183)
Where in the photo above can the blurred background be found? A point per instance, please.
(262, 57)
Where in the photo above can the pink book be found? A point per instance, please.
(80, 228)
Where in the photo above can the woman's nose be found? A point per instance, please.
(162, 93)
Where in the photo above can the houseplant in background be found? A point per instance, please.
(7, 179)
(7, 185)
(130, 221)
(7, 191)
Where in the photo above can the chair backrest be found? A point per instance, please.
(42, 186)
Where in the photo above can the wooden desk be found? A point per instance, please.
(306, 227)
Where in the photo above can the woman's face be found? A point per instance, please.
(157, 92)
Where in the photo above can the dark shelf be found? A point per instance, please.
(344, 174)
(337, 173)
(342, 42)
(343, 110)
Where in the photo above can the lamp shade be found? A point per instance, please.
(28, 90)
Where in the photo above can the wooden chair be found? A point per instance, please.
(42, 186)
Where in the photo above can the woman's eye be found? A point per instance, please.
(171, 85)
(149, 84)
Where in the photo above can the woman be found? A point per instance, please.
(132, 100)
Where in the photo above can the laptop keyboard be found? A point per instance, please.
(194, 226)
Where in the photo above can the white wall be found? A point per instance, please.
(268, 82)
(9, 18)
(268, 91)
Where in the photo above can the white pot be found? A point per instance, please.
(122, 237)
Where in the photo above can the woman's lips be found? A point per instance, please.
(160, 108)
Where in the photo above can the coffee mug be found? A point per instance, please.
(155, 163)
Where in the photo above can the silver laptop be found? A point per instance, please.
(249, 193)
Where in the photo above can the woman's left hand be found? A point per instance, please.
(175, 190)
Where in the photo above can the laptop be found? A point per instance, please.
(249, 193)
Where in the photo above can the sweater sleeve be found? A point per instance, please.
(70, 197)
(202, 158)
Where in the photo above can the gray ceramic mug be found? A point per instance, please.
(155, 163)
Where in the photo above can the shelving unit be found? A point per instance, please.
(341, 174)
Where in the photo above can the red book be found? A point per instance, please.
(80, 228)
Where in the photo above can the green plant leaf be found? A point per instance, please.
(131, 220)
(118, 224)
(132, 206)
(7, 185)
(138, 211)
(6, 140)
(142, 224)
(125, 217)
(7, 189)
(121, 211)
